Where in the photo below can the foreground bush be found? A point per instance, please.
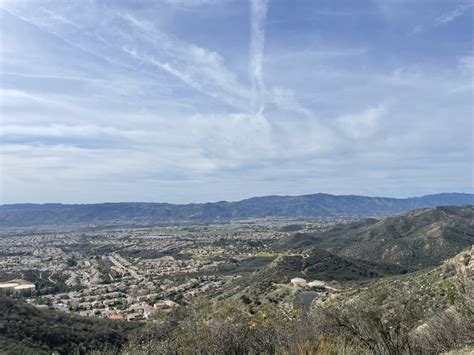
(352, 326)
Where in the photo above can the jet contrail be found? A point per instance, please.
(258, 12)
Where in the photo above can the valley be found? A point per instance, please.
(154, 276)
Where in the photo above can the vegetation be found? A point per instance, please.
(245, 304)
(414, 240)
(322, 265)
(423, 312)
(389, 317)
(28, 330)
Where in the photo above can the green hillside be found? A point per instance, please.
(415, 239)
(323, 265)
(430, 311)
(28, 330)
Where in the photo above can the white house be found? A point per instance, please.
(298, 282)
(317, 283)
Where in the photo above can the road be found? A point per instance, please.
(120, 265)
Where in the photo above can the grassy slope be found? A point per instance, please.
(426, 293)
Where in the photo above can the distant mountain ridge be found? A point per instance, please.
(306, 206)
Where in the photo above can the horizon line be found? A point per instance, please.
(234, 201)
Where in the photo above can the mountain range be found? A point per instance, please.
(305, 206)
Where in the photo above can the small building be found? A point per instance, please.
(116, 317)
(298, 282)
(317, 284)
(8, 285)
(134, 316)
(20, 287)
(166, 306)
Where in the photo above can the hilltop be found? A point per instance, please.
(306, 206)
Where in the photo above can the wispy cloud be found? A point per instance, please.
(258, 13)
(191, 3)
(455, 13)
(199, 68)
(416, 30)
(170, 99)
(54, 77)
(363, 124)
(466, 63)
(286, 99)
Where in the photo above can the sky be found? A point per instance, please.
(205, 100)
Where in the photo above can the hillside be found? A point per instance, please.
(426, 312)
(25, 329)
(323, 265)
(415, 239)
(428, 290)
(307, 206)
(429, 311)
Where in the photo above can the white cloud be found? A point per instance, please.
(363, 124)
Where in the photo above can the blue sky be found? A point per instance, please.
(206, 100)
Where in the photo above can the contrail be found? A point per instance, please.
(258, 12)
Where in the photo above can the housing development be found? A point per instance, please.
(133, 273)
